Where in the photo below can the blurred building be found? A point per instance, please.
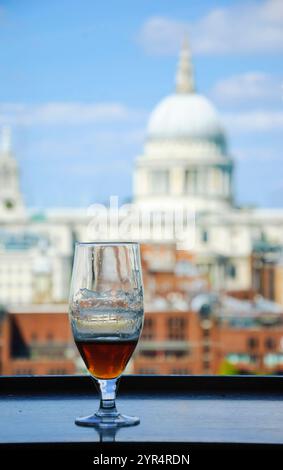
(36, 340)
(250, 335)
(191, 329)
(201, 333)
(33, 268)
(211, 334)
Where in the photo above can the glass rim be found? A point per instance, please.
(109, 243)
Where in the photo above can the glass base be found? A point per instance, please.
(117, 420)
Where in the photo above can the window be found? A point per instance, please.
(252, 343)
(177, 328)
(176, 353)
(145, 371)
(206, 349)
(231, 271)
(180, 371)
(148, 329)
(253, 358)
(206, 332)
(57, 372)
(50, 336)
(206, 366)
(190, 186)
(204, 236)
(23, 372)
(148, 353)
(270, 344)
(160, 182)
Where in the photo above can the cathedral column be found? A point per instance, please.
(141, 181)
(204, 180)
(210, 175)
(177, 181)
(222, 181)
(214, 181)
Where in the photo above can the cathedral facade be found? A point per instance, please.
(187, 162)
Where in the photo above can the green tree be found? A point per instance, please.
(226, 368)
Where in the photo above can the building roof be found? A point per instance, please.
(185, 116)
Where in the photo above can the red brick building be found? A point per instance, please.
(173, 342)
(188, 329)
(36, 340)
(193, 343)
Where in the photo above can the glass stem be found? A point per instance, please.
(107, 406)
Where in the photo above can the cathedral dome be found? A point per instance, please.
(186, 159)
(185, 116)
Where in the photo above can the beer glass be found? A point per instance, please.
(106, 315)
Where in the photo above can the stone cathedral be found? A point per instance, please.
(186, 159)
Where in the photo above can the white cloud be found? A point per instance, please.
(248, 88)
(244, 27)
(254, 121)
(70, 113)
(247, 27)
(162, 36)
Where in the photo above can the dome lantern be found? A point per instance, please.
(184, 75)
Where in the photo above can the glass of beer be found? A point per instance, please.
(106, 315)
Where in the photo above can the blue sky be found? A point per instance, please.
(80, 77)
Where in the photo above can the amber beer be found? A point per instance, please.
(106, 359)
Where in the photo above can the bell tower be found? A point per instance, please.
(11, 201)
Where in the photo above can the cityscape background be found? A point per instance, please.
(165, 106)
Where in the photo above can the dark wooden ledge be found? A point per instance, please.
(194, 412)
